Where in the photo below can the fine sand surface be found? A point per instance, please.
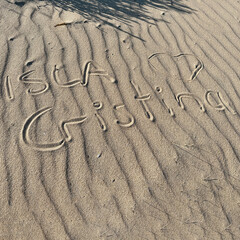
(120, 120)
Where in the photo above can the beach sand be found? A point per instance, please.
(120, 120)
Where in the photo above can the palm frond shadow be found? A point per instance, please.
(121, 10)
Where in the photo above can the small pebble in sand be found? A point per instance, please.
(158, 89)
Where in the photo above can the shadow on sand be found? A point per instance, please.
(125, 11)
(121, 10)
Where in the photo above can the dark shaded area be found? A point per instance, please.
(20, 4)
(121, 10)
(125, 11)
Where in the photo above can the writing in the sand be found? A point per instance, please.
(91, 68)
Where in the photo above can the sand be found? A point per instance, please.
(120, 120)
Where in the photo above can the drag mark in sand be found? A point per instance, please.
(64, 126)
(98, 105)
(170, 110)
(8, 88)
(63, 24)
(55, 75)
(130, 117)
(97, 72)
(142, 99)
(222, 105)
(198, 67)
(23, 78)
(37, 146)
(179, 97)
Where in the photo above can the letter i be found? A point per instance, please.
(98, 105)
